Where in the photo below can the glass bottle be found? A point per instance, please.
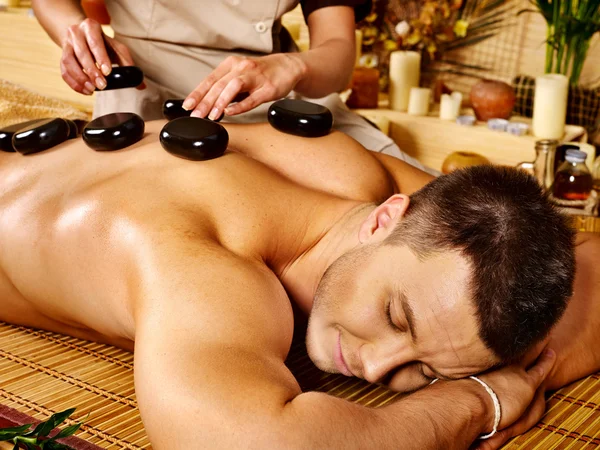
(543, 166)
(573, 180)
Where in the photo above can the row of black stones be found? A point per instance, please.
(187, 137)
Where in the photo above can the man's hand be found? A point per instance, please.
(266, 78)
(85, 60)
(521, 394)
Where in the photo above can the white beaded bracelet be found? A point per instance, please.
(497, 410)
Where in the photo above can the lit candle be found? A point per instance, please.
(405, 70)
(418, 103)
(448, 109)
(358, 40)
(550, 106)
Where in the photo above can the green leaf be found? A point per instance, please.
(7, 434)
(44, 428)
(67, 431)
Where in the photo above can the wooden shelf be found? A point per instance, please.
(430, 139)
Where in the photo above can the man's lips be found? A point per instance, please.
(338, 357)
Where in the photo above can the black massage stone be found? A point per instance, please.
(300, 118)
(123, 77)
(73, 130)
(40, 135)
(7, 133)
(114, 131)
(195, 139)
(173, 109)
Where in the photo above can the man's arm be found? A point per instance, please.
(335, 163)
(575, 338)
(212, 332)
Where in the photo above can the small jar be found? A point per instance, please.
(573, 180)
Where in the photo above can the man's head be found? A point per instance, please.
(469, 272)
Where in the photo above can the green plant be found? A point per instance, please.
(38, 438)
(571, 26)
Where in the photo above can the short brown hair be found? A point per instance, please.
(520, 247)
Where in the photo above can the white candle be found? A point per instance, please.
(457, 97)
(418, 103)
(448, 108)
(405, 70)
(358, 40)
(550, 106)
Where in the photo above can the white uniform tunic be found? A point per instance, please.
(177, 43)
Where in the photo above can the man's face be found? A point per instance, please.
(383, 315)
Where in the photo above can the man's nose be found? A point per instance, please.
(378, 360)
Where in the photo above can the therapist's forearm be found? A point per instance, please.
(328, 68)
(56, 16)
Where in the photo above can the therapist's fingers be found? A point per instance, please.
(95, 41)
(203, 98)
(266, 92)
(72, 74)
(78, 41)
(193, 101)
(208, 105)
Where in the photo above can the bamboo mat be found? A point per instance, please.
(42, 373)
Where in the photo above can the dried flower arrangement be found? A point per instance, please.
(432, 27)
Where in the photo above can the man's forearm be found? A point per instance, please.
(321, 79)
(56, 16)
(451, 416)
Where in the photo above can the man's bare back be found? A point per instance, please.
(76, 226)
(189, 259)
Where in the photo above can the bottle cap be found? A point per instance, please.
(576, 156)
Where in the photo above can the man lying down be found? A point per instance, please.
(198, 265)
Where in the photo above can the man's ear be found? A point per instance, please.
(383, 219)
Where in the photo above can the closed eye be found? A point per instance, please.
(388, 314)
(427, 377)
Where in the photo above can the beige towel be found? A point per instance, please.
(18, 104)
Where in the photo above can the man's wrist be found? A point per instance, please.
(484, 411)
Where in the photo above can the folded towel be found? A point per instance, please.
(18, 104)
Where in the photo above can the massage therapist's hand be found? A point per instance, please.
(85, 59)
(266, 78)
(520, 390)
